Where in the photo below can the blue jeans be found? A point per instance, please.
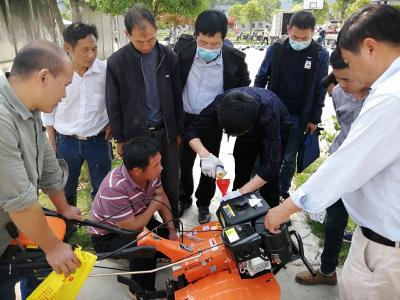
(27, 277)
(335, 225)
(295, 137)
(28, 285)
(8, 282)
(95, 150)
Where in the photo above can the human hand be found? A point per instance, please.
(209, 165)
(178, 140)
(172, 235)
(120, 149)
(62, 259)
(144, 232)
(107, 132)
(275, 217)
(231, 195)
(72, 213)
(311, 127)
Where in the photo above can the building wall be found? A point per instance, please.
(22, 21)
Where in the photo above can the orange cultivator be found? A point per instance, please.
(234, 258)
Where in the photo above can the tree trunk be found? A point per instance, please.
(56, 14)
(250, 29)
(77, 7)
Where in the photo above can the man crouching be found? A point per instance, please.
(128, 198)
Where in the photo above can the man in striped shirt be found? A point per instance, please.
(127, 198)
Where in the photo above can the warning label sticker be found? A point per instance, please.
(228, 210)
(213, 244)
(232, 235)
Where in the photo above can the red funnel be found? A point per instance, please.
(223, 185)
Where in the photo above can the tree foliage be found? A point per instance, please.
(355, 6)
(297, 7)
(158, 7)
(248, 13)
(322, 14)
(270, 7)
(236, 10)
(340, 9)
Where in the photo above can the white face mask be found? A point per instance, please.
(298, 46)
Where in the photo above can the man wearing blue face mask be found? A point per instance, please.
(293, 68)
(208, 68)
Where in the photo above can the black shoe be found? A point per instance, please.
(204, 215)
(182, 206)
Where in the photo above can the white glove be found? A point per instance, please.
(231, 195)
(209, 165)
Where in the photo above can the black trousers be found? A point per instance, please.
(246, 156)
(206, 189)
(336, 222)
(112, 242)
(170, 163)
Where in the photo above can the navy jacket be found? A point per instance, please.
(126, 97)
(272, 124)
(314, 97)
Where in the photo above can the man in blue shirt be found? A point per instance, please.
(208, 68)
(293, 69)
(365, 170)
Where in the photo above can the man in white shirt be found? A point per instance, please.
(78, 127)
(365, 170)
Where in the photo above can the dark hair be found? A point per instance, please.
(77, 31)
(38, 55)
(238, 113)
(303, 20)
(137, 152)
(211, 21)
(380, 22)
(336, 60)
(137, 16)
(328, 80)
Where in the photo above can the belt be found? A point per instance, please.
(377, 238)
(154, 128)
(85, 138)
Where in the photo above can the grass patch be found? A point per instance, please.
(317, 228)
(80, 237)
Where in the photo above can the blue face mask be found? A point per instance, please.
(208, 55)
(298, 46)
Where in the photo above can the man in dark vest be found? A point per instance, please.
(293, 68)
